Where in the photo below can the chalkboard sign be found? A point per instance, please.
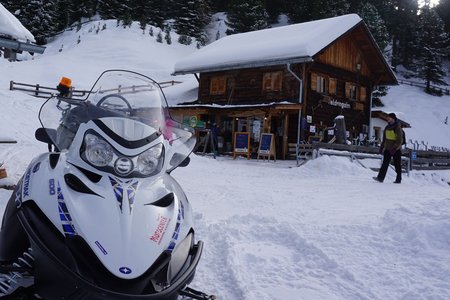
(241, 144)
(267, 145)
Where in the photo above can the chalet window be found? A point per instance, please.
(351, 91)
(321, 84)
(332, 87)
(272, 81)
(218, 85)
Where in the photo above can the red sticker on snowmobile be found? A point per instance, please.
(160, 230)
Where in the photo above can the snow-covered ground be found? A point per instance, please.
(324, 230)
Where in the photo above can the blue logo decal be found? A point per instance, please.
(26, 184)
(19, 195)
(51, 187)
(125, 270)
(66, 219)
(180, 219)
(119, 187)
(36, 167)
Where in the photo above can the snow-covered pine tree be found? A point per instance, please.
(443, 9)
(190, 20)
(274, 8)
(300, 11)
(303, 10)
(377, 94)
(182, 24)
(80, 9)
(125, 12)
(38, 17)
(184, 39)
(246, 16)
(330, 8)
(14, 6)
(167, 37)
(218, 5)
(375, 23)
(141, 11)
(431, 47)
(157, 13)
(369, 13)
(109, 9)
(401, 18)
(159, 37)
(63, 14)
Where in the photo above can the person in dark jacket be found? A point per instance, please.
(391, 148)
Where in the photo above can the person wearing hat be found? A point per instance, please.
(391, 148)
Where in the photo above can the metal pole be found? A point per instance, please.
(370, 114)
(300, 101)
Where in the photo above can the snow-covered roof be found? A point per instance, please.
(287, 44)
(10, 26)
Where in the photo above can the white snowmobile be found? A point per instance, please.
(100, 217)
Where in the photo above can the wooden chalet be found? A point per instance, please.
(292, 81)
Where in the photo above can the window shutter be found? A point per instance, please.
(347, 90)
(363, 94)
(277, 81)
(313, 81)
(214, 86)
(272, 81)
(222, 85)
(267, 82)
(332, 87)
(218, 85)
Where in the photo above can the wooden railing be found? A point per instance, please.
(423, 85)
(429, 159)
(40, 91)
(417, 159)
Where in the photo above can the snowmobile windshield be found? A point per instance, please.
(118, 94)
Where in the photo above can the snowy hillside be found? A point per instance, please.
(272, 231)
(99, 50)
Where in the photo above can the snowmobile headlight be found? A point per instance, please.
(97, 151)
(151, 160)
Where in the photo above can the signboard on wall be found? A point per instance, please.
(193, 122)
